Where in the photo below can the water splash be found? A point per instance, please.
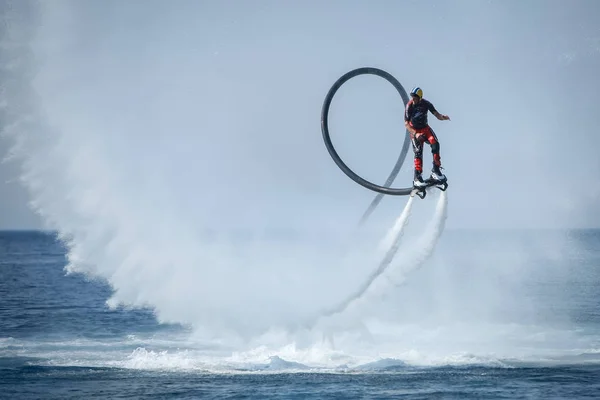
(133, 193)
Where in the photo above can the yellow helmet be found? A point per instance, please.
(417, 92)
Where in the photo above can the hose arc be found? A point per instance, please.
(381, 190)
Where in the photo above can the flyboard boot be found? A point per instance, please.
(436, 174)
(418, 181)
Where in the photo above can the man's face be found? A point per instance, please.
(416, 99)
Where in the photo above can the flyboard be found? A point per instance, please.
(383, 190)
(421, 191)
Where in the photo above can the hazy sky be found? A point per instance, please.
(236, 86)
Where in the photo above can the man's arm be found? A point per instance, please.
(435, 112)
(441, 117)
(407, 112)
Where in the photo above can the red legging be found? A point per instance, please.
(425, 134)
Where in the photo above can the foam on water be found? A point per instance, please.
(391, 346)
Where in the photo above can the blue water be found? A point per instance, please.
(58, 338)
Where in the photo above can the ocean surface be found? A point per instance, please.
(59, 339)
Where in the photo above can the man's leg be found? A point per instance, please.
(435, 151)
(417, 144)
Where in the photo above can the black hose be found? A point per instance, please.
(381, 190)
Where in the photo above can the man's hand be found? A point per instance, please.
(410, 128)
(442, 117)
